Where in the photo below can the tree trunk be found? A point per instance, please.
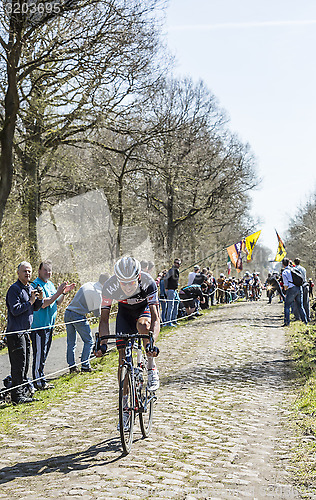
(170, 218)
(11, 105)
(31, 158)
(33, 212)
(121, 216)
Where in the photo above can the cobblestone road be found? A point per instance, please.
(219, 432)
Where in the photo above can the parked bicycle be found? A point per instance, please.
(134, 396)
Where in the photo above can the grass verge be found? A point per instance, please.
(11, 416)
(303, 350)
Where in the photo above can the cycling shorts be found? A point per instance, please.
(126, 321)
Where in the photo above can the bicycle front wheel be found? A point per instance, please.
(126, 409)
(146, 405)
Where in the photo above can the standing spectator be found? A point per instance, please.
(87, 299)
(310, 288)
(151, 266)
(228, 290)
(147, 266)
(171, 285)
(221, 289)
(212, 287)
(192, 274)
(292, 293)
(44, 320)
(201, 277)
(305, 288)
(162, 295)
(22, 300)
(144, 266)
(234, 289)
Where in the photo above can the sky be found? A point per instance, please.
(258, 59)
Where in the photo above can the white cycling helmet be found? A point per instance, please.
(127, 269)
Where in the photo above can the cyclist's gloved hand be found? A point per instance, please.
(154, 350)
(99, 350)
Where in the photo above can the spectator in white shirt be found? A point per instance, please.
(192, 275)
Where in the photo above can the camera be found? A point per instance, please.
(38, 289)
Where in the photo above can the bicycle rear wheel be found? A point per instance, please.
(126, 409)
(146, 400)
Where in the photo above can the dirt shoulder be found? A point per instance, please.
(220, 428)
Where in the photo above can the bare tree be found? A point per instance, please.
(200, 168)
(62, 71)
(301, 235)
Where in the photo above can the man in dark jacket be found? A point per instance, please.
(22, 300)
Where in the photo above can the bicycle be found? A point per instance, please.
(134, 396)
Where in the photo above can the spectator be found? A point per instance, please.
(200, 277)
(212, 287)
(151, 266)
(171, 285)
(147, 266)
(204, 304)
(227, 288)
(162, 294)
(292, 293)
(44, 320)
(234, 290)
(192, 274)
(22, 300)
(305, 288)
(221, 289)
(144, 266)
(87, 299)
(189, 295)
(310, 288)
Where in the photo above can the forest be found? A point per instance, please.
(89, 105)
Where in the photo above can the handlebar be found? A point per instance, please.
(128, 336)
(150, 348)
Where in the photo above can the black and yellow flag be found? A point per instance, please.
(281, 253)
(250, 242)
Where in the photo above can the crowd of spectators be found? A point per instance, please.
(32, 308)
(295, 294)
(202, 291)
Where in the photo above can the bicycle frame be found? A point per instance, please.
(128, 362)
(136, 400)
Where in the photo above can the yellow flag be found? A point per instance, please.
(281, 253)
(250, 243)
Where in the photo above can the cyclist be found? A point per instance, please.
(256, 286)
(138, 311)
(247, 285)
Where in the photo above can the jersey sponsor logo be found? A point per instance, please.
(113, 288)
(133, 300)
(106, 302)
(145, 285)
(153, 298)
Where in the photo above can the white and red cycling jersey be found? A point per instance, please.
(146, 293)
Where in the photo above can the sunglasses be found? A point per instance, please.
(130, 283)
